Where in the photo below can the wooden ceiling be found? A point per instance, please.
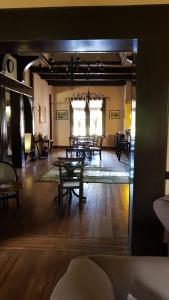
(63, 69)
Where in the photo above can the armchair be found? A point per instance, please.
(9, 183)
(97, 146)
(161, 208)
(109, 277)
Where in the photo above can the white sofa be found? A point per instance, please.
(108, 277)
(104, 277)
(161, 208)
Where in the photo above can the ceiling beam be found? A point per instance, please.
(85, 69)
(85, 83)
(99, 76)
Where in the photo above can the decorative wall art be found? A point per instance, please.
(114, 114)
(62, 115)
(42, 114)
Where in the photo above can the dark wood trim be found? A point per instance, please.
(150, 156)
(134, 22)
(15, 86)
(64, 45)
(28, 115)
(23, 64)
(61, 70)
(90, 77)
(55, 73)
(103, 20)
(91, 82)
(71, 118)
(17, 129)
(166, 175)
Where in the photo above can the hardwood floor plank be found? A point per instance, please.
(37, 241)
(7, 260)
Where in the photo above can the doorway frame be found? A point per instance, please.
(151, 88)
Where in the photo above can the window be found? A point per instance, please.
(79, 117)
(96, 118)
(87, 117)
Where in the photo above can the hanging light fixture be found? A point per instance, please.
(87, 96)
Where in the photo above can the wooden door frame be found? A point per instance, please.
(51, 24)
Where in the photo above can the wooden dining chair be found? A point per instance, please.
(8, 174)
(122, 145)
(97, 147)
(70, 180)
(73, 142)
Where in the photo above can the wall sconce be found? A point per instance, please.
(28, 142)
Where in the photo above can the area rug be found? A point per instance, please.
(91, 175)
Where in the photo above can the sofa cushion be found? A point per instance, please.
(161, 208)
(84, 280)
(131, 297)
(146, 278)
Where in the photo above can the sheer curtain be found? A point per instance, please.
(79, 117)
(96, 122)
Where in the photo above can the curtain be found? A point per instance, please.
(79, 117)
(95, 108)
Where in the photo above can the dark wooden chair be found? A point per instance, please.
(71, 180)
(9, 183)
(73, 141)
(122, 145)
(97, 147)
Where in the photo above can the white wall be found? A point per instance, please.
(41, 99)
(61, 128)
(27, 77)
(115, 97)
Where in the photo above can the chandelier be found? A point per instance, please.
(87, 96)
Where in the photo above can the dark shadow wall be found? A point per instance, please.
(39, 28)
(28, 117)
(3, 125)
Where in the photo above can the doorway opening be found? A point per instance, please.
(87, 71)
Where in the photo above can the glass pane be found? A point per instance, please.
(96, 126)
(79, 122)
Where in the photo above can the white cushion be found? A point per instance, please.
(84, 280)
(161, 208)
(72, 184)
(131, 297)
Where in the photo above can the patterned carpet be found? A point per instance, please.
(92, 174)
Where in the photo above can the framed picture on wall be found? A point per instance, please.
(114, 114)
(42, 114)
(61, 115)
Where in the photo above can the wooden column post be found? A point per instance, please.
(150, 145)
(17, 129)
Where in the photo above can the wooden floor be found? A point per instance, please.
(37, 241)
